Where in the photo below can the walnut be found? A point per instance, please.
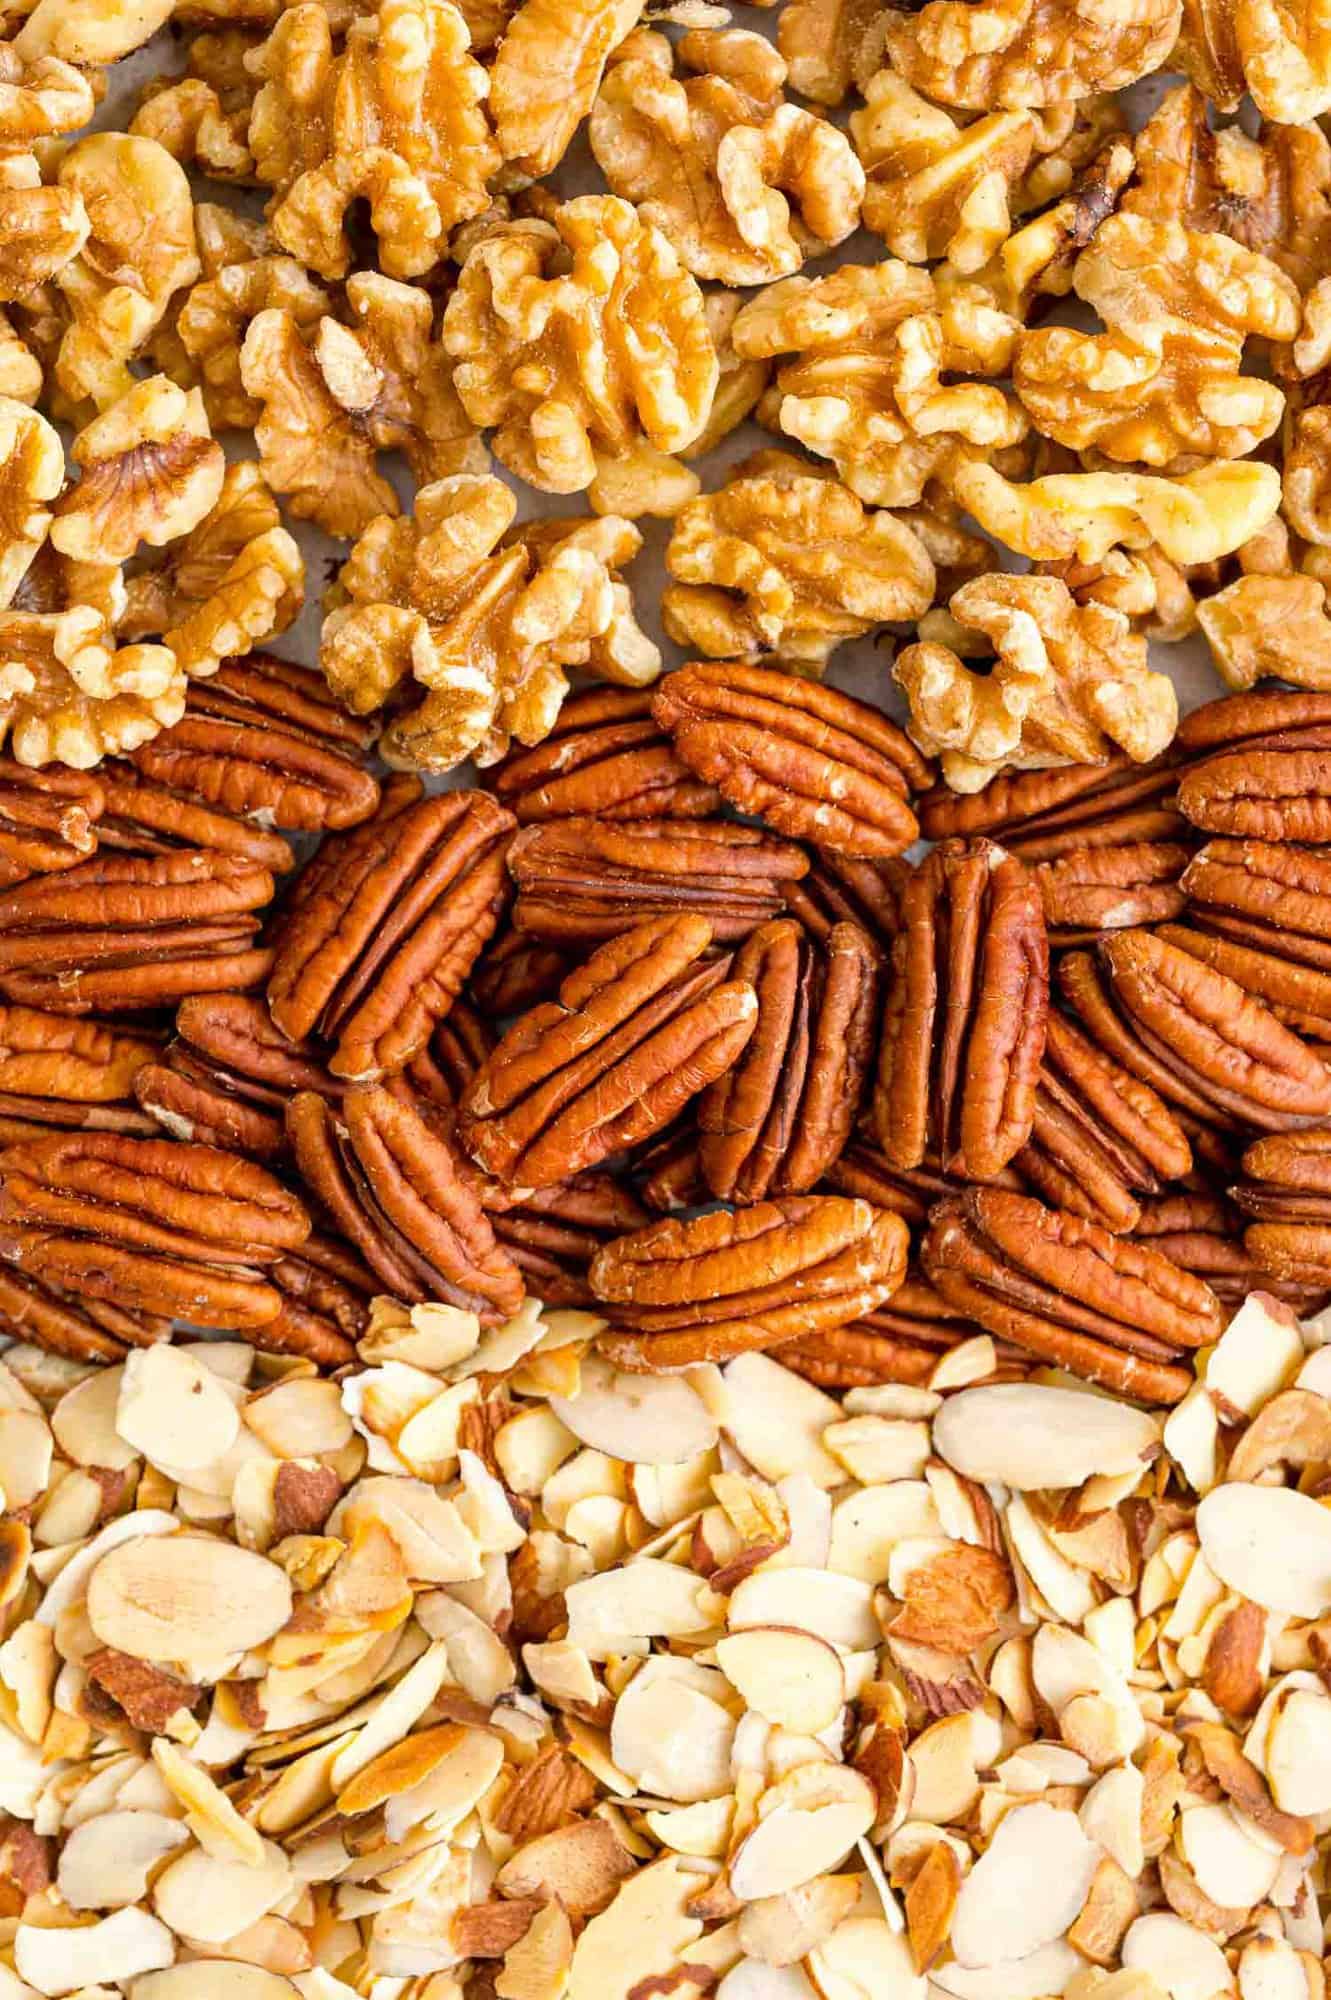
(203, 117)
(293, 68)
(213, 318)
(744, 184)
(149, 471)
(935, 187)
(786, 563)
(402, 126)
(89, 32)
(1269, 626)
(40, 97)
(487, 627)
(233, 583)
(332, 399)
(1018, 55)
(1284, 52)
(21, 373)
(32, 466)
(1164, 379)
(41, 228)
(140, 250)
(547, 73)
(68, 695)
(1207, 51)
(1069, 683)
(578, 339)
(820, 40)
(740, 383)
(1041, 256)
(865, 391)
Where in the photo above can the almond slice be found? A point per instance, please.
(1270, 1543)
(106, 1862)
(1027, 1435)
(183, 1598)
(671, 1732)
(808, 1823)
(864, 1959)
(211, 1901)
(791, 1678)
(751, 1981)
(1025, 1889)
(645, 1599)
(836, 1608)
(173, 1410)
(214, 1979)
(1188, 1965)
(1298, 1753)
(113, 1951)
(641, 1419)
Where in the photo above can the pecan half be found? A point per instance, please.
(381, 946)
(149, 1224)
(1204, 1233)
(1094, 888)
(1297, 994)
(902, 1341)
(965, 1012)
(139, 817)
(809, 761)
(226, 1077)
(515, 973)
(839, 889)
(1101, 1306)
(440, 1072)
(636, 1032)
(82, 1329)
(48, 820)
(400, 1196)
(326, 1291)
(780, 1116)
(56, 1071)
(1042, 815)
(552, 1234)
(130, 931)
(579, 880)
(680, 1293)
(1265, 774)
(605, 756)
(1287, 1194)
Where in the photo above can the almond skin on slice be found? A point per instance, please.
(793, 1679)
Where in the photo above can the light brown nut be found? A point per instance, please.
(43, 96)
(404, 1201)
(744, 184)
(580, 880)
(326, 1291)
(547, 73)
(148, 472)
(70, 694)
(202, 118)
(1070, 681)
(778, 1119)
(1272, 895)
(241, 278)
(33, 459)
(680, 1293)
(638, 1031)
(839, 889)
(821, 42)
(605, 756)
(809, 761)
(1284, 59)
(1036, 53)
(1070, 1293)
(377, 950)
(1164, 380)
(936, 188)
(1269, 628)
(1093, 888)
(964, 1013)
(534, 352)
(1204, 1234)
(48, 820)
(783, 563)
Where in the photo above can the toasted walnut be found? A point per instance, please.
(42, 229)
(1069, 683)
(215, 314)
(865, 390)
(744, 184)
(289, 124)
(69, 696)
(148, 472)
(578, 339)
(21, 373)
(1196, 518)
(1164, 379)
(547, 73)
(740, 383)
(1284, 53)
(404, 131)
(935, 187)
(1023, 54)
(787, 563)
(203, 117)
(487, 629)
(1041, 256)
(89, 32)
(140, 250)
(1269, 626)
(820, 40)
(32, 465)
(1207, 51)
(40, 97)
(232, 584)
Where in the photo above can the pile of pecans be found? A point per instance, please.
(692, 1366)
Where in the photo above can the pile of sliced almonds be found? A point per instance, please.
(488, 1673)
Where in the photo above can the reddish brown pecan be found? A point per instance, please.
(903, 1341)
(808, 760)
(142, 818)
(378, 948)
(1042, 815)
(781, 1115)
(59, 1071)
(260, 772)
(965, 1011)
(148, 1224)
(326, 1291)
(515, 972)
(131, 931)
(669, 1171)
(553, 1234)
(636, 1032)
(1296, 993)
(679, 1293)
(838, 889)
(81, 1328)
(395, 1189)
(605, 756)
(1203, 1233)
(1095, 888)
(1269, 905)
(1287, 1195)
(579, 881)
(1264, 771)
(1102, 1306)
(48, 820)
(226, 1078)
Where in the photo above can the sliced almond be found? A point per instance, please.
(1049, 1970)
(214, 1979)
(1025, 1889)
(184, 1598)
(581, 1864)
(809, 1821)
(1028, 1436)
(1298, 1753)
(642, 1934)
(210, 1900)
(1270, 1969)
(836, 1608)
(641, 1419)
(791, 1678)
(672, 1733)
(300, 1419)
(1272, 1544)
(1231, 1869)
(84, 1422)
(751, 1980)
(174, 1410)
(106, 1863)
(863, 1959)
(781, 1930)
(114, 1951)
(643, 1600)
(1188, 1965)
(867, 1526)
(777, 1420)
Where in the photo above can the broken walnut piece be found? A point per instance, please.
(149, 471)
(936, 188)
(1024, 54)
(70, 694)
(546, 74)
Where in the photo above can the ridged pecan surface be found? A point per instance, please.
(48, 820)
(226, 1076)
(606, 756)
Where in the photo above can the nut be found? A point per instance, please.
(1026, 55)
(936, 188)
(1261, 773)
(547, 73)
(148, 472)
(605, 756)
(821, 42)
(1044, 815)
(70, 694)
(1269, 627)
(1285, 1193)
(225, 1078)
(47, 820)
(58, 1072)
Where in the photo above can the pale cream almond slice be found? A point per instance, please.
(808, 1823)
(26, 1449)
(867, 1525)
(645, 1599)
(1271, 1969)
(71, 1582)
(641, 1936)
(302, 1418)
(106, 1863)
(530, 1448)
(1272, 1544)
(1047, 1971)
(214, 1979)
(429, 1337)
(777, 1420)
(865, 1959)
(184, 1598)
(702, 1830)
(537, 1966)
(209, 1900)
(879, 1450)
(836, 1608)
(112, 1952)
(1111, 1814)
(1192, 1438)
(1228, 1867)
(793, 1679)
(781, 1930)
(84, 1422)
(1256, 1355)
(750, 1980)
(1187, 1964)
(1029, 1436)
(672, 1733)
(1026, 1888)
(478, 1659)
(435, 1542)
(1068, 1591)
(174, 1410)
(1298, 1753)
(209, 1813)
(641, 1419)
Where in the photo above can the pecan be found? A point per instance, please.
(226, 1077)
(55, 1071)
(57, 1319)
(129, 931)
(1043, 815)
(515, 973)
(150, 1224)
(440, 1072)
(965, 1012)
(776, 1121)
(379, 949)
(839, 889)
(48, 820)
(142, 818)
(902, 1341)
(635, 1033)
(809, 761)
(669, 1172)
(1268, 894)
(1091, 888)
(326, 1291)
(1265, 774)
(605, 756)
(679, 1293)
(1101, 1306)
(579, 881)
(400, 1196)
(1287, 1195)
(1204, 1234)
(1101, 1135)
(552, 1234)
(1088, 991)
